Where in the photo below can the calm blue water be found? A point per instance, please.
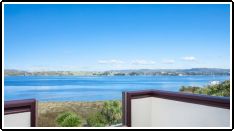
(74, 88)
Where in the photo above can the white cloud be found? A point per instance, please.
(143, 62)
(168, 61)
(188, 58)
(113, 61)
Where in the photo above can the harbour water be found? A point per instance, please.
(94, 88)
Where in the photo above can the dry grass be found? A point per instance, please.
(48, 111)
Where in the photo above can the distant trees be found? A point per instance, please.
(222, 89)
(119, 74)
(106, 73)
(134, 73)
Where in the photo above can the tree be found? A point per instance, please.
(110, 114)
(222, 89)
(97, 120)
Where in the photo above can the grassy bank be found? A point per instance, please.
(48, 111)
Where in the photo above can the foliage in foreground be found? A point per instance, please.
(97, 120)
(110, 114)
(222, 89)
(68, 119)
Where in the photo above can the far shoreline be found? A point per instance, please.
(129, 72)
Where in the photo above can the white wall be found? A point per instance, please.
(159, 112)
(141, 111)
(18, 120)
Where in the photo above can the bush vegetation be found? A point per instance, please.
(222, 89)
(102, 114)
(96, 120)
(68, 119)
(110, 114)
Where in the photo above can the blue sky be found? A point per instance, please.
(106, 37)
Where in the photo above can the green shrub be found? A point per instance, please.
(96, 120)
(68, 119)
(71, 121)
(60, 118)
(110, 114)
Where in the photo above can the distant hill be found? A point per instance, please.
(192, 71)
(152, 72)
(178, 70)
(12, 72)
(215, 70)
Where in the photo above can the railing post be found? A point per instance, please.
(124, 108)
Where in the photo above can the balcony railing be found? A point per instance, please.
(20, 113)
(157, 108)
(152, 108)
